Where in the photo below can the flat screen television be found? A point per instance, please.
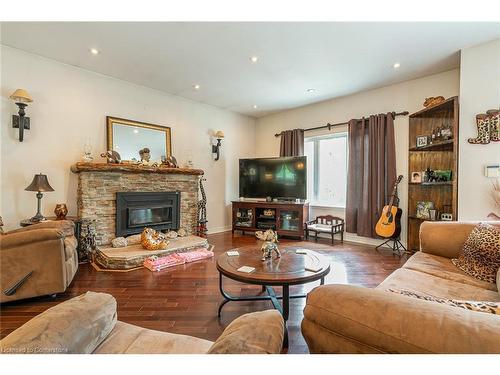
(274, 177)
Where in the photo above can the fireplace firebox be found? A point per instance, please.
(137, 210)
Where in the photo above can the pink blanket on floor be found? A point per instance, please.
(159, 263)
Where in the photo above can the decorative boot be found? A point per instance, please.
(483, 130)
(494, 124)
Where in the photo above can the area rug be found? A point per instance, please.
(133, 256)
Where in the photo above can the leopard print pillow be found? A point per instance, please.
(480, 255)
(481, 306)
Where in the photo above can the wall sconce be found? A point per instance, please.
(21, 97)
(216, 148)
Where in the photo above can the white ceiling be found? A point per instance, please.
(335, 59)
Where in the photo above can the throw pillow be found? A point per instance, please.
(481, 306)
(480, 255)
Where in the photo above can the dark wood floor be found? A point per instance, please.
(184, 299)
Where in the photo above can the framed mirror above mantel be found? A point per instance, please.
(128, 137)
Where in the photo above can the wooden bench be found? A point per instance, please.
(325, 224)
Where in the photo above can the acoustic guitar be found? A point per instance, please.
(389, 224)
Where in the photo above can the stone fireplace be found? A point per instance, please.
(162, 198)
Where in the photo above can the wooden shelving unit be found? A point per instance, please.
(441, 155)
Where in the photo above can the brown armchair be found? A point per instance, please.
(325, 224)
(37, 260)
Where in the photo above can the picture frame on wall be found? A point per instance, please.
(422, 141)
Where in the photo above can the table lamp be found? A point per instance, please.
(39, 184)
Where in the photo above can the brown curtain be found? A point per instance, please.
(292, 142)
(371, 171)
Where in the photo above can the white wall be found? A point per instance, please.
(399, 97)
(479, 91)
(71, 104)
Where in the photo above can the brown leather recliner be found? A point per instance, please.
(47, 251)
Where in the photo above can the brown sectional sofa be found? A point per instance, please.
(88, 324)
(352, 319)
(48, 249)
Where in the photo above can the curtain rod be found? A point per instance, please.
(329, 126)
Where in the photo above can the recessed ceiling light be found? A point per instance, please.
(196, 87)
(255, 106)
(254, 59)
(396, 65)
(136, 131)
(310, 90)
(94, 51)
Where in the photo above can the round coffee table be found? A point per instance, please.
(287, 270)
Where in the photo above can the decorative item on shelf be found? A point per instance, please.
(429, 175)
(87, 151)
(447, 131)
(270, 244)
(88, 242)
(423, 208)
(437, 176)
(446, 216)
(201, 229)
(1, 225)
(21, 98)
(269, 212)
(435, 136)
(433, 214)
(61, 211)
(433, 100)
(153, 240)
(219, 135)
(416, 177)
(444, 175)
(421, 141)
(488, 127)
(112, 157)
(39, 184)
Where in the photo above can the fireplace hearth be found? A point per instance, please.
(137, 210)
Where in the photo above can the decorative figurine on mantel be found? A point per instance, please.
(112, 157)
(145, 155)
(87, 152)
(169, 162)
(270, 244)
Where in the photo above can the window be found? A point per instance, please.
(327, 170)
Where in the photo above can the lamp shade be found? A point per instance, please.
(219, 134)
(21, 96)
(39, 183)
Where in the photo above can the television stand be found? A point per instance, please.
(286, 218)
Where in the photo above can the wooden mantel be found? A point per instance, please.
(131, 168)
